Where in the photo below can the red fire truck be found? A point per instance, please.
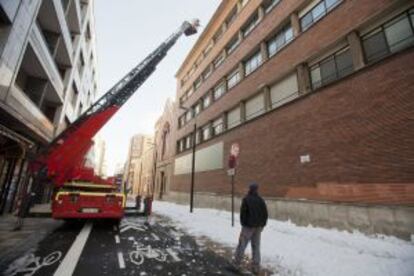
(78, 192)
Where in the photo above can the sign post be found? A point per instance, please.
(234, 153)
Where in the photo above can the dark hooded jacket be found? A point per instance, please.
(253, 211)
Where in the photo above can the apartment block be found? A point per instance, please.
(47, 79)
(139, 165)
(318, 95)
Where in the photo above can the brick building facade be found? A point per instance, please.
(319, 96)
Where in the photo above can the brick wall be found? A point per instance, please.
(330, 30)
(358, 131)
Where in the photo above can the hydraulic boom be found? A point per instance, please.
(77, 192)
(63, 158)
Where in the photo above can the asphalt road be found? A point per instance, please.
(132, 247)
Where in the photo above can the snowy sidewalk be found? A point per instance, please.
(295, 250)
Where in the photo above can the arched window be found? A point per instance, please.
(164, 137)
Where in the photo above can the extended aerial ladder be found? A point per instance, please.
(62, 160)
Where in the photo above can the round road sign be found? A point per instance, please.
(235, 149)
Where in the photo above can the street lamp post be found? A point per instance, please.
(192, 162)
(193, 169)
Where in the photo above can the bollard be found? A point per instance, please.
(147, 206)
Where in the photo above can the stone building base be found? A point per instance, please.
(370, 219)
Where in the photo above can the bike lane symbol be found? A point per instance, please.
(32, 264)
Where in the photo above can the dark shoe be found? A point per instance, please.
(256, 270)
(238, 270)
(233, 267)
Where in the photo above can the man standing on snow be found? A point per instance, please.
(253, 217)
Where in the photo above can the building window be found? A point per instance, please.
(268, 5)
(192, 70)
(208, 48)
(232, 16)
(197, 109)
(315, 11)
(244, 2)
(253, 63)
(280, 40)
(233, 118)
(391, 37)
(197, 83)
(206, 101)
(206, 134)
(189, 92)
(218, 34)
(219, 60)
(188, 142)
(206, 73)
(284, 91)
(164, 138)
(88, 34)
(188, 115)
(181, 145)
(250, 25)
(81, 63)
(75, 94)
(255, 106)
(332, 68)
(219, 90)
(198, 137)
(181, 121)
(218, 126)
(232, 45)
(233, 79)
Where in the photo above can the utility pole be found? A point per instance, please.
(193, 169)
(192, 161)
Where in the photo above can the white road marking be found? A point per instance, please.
(155, 237)
(117, 239)
(115, 228)
(173, 254)
(121, 260)
(138, 228)
(68, 265)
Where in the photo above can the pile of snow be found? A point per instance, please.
(293, 250)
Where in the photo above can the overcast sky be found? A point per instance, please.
(127, 30)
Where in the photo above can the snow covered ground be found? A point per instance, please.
(293, 250)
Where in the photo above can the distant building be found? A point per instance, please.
(319, 97)
(135, 169)
(47, 79)
(119, 168)
(165, 143)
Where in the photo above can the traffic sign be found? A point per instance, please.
(235, 149)
(232, 161)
